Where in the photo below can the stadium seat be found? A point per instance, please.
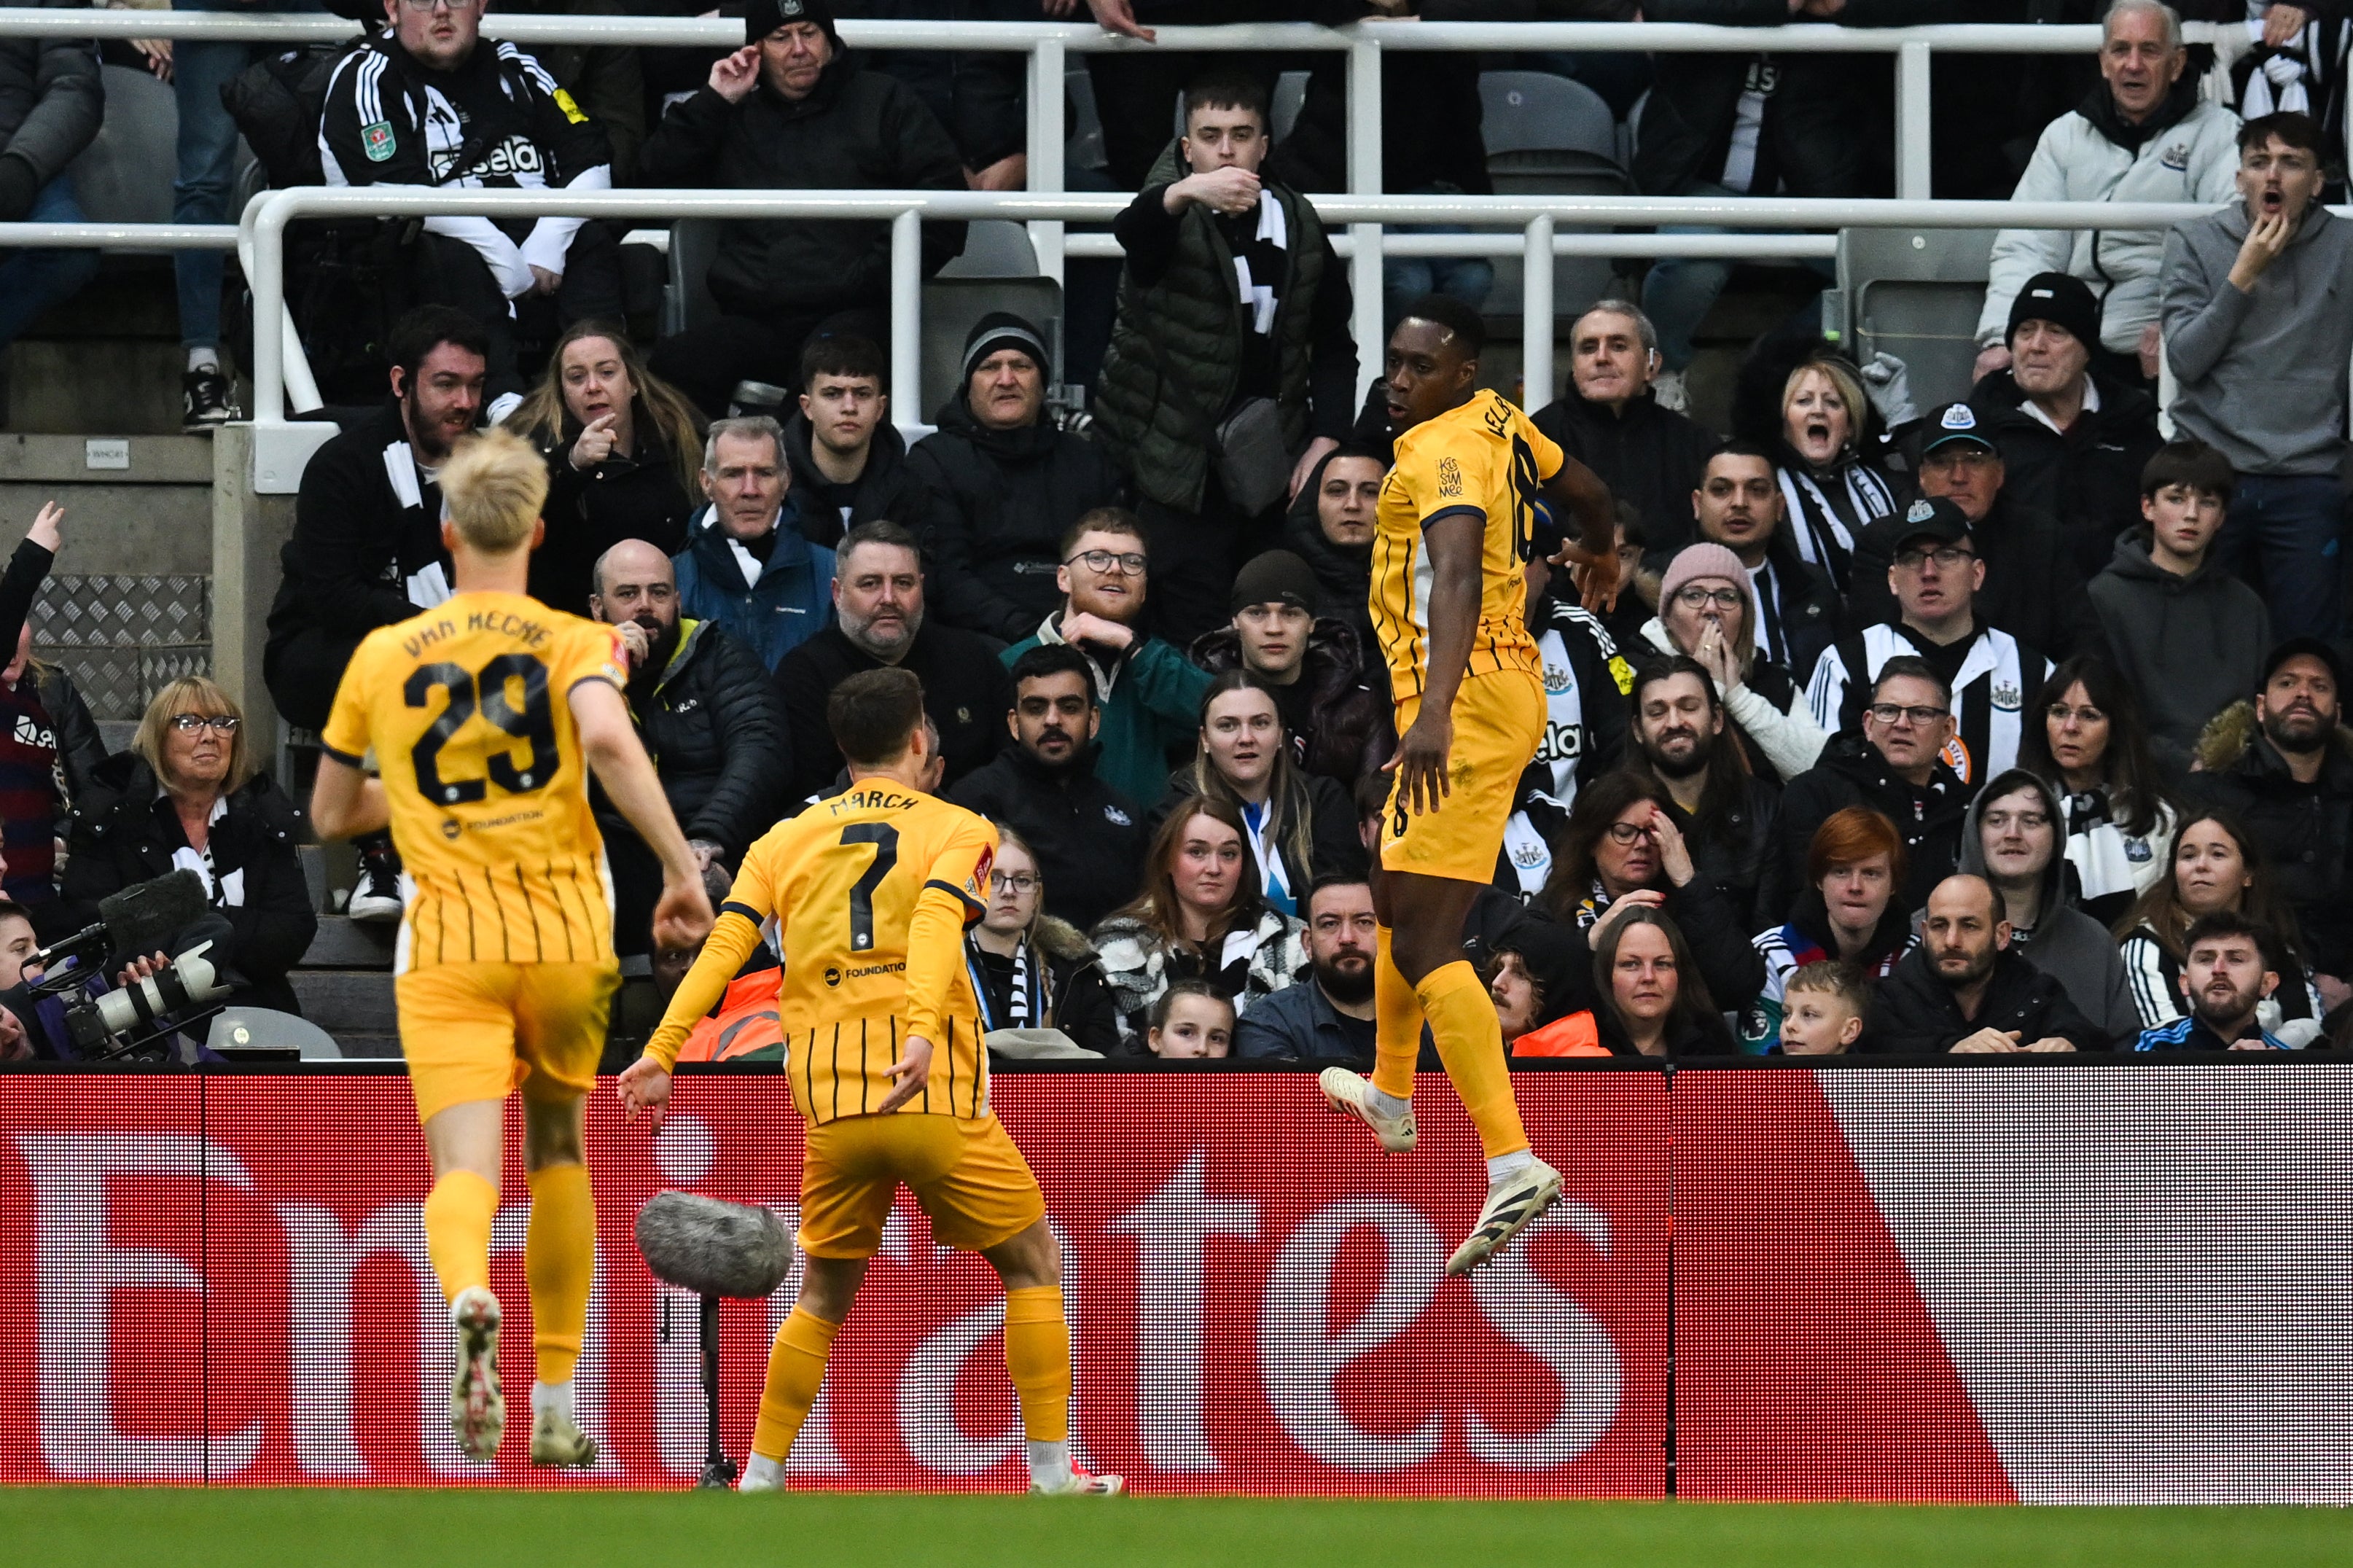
(1915, 294)
(1547, 135)
(951, 306)
(125, 176)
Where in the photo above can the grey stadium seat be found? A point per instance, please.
(1915, 294)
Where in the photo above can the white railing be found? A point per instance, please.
(281, 447)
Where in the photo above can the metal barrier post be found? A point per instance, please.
(907, 317)
(1913, 138)
(1365, 179)
(1048, 138)
(1536, 316)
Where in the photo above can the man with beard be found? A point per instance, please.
(2224, 979)
(710, 722)
(1964, 990)
(1085, 834)
(366, 547)
(1726, 815)
(1331, 1020)
(879, 618)
(2283, 765)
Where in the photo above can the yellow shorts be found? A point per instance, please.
(480, 1031)
(1499, 720)
(966, 1174)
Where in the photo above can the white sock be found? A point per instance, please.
(1386, 1104)
(759, 1470)
(204, 359)
(1503, 1167)
(555, 1396)
(1049, 1465)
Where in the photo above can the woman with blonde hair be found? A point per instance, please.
(188, 796)
(624, 452)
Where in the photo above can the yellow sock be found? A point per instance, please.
(1396, 1023)
(458, 1216)
(795, 1372)
(559, 1259)
(1471, 1043)
(1038, 1358)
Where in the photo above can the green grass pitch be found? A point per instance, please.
(56, 1527)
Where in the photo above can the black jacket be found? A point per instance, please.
(50, 102)
(357, 540)
(125, 831)
(2089, 478)
(1913, 1013)
(860, 130)
(1077, 999)
(966, 694)
(1338, 714)
(590, 511)
(887, 490)
(1000, 501)
(1647, 455)
(2033, 588)
(2304, 831)
(1087, 837)
(1852, 772)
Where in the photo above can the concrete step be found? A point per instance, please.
(347, 943)
(347, 1003)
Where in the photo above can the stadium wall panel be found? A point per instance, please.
(2046, 1283)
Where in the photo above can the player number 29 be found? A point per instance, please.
(489, 693)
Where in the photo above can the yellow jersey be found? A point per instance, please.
(1483, 459)
(872, 890)
(465, 708)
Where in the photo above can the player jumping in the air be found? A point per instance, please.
(872, 890)
(480, 712)
(1456, 526)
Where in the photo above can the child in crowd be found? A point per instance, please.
(1822, 1007)
(2187, 634)
(1191, 1022)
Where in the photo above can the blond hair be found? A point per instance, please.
(493, 488)
(193, 694)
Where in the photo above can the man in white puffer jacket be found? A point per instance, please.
(2144, 135)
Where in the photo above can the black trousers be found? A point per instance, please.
(706, 361)
(451, 272)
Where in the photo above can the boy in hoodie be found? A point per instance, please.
(2187, 634)
(2258, 330)
(2011, 837)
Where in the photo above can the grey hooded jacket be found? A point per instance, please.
(2261, 373)
(2065, 943)
(50, 100)
(2190, 645)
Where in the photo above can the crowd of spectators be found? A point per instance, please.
(2016, 725)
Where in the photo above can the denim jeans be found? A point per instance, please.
(33, 280)
(2284, 535)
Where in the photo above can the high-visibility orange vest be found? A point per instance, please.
(745, 1022)
(1574, 1036)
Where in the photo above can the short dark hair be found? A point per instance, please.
(841, 353)
(2229, 923)
(1912, 666)
(2300, 132)
(1104, 520)
(2188, 462)
(878, 531)
(416, 334)
(1050, 659)
(1650, 671)
(1456, 317)
(1226, 89)
(874, 713)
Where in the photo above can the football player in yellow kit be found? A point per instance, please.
(481, 712)
(872, 890)
(1457, 522)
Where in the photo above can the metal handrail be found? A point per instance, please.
(263, 229)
